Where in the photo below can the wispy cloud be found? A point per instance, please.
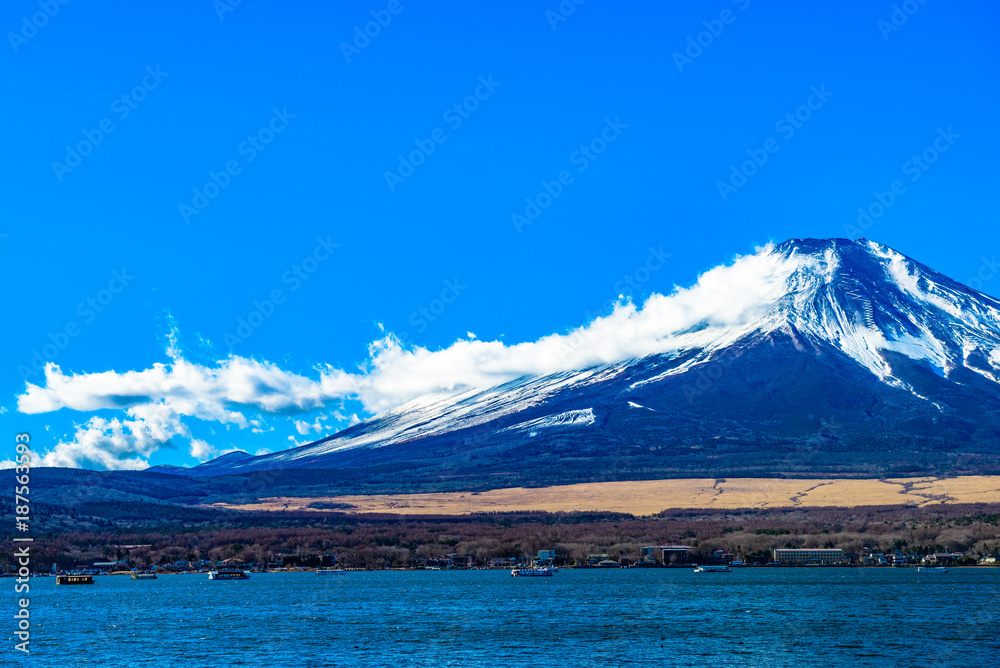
(303, 427)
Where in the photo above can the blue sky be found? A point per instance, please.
(503, 171)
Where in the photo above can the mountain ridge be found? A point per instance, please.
(843, 353)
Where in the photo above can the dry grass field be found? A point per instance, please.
(652, 496)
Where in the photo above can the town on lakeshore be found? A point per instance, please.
(650, 556)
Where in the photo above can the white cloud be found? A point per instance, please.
(209, 393)
(159, 397)
(115, 444)
(201, 450)
(304, 427)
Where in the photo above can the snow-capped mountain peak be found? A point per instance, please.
(867, 299)
(804, 315)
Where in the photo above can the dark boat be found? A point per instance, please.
(227, 575)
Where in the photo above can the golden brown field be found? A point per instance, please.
(652, 496)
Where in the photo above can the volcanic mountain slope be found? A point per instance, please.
(220, 464)
(848, 359)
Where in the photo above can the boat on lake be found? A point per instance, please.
(74, 579)
(713, 569)
(931, 569)
(228, 575)
(531, 572)
(143, 576)
(330, 571)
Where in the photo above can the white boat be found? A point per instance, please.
(143, 576)
(713, 569)
(531, 572)
(228, 575)
(931, 569)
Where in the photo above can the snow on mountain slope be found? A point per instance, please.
(579, 418)
(865, 300)
(437, 414)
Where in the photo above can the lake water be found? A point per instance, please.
(750, 617)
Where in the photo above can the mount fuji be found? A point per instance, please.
(846, 359)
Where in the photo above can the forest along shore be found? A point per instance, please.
(139, 537)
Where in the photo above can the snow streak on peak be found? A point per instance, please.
(579, 418)
(867, 299)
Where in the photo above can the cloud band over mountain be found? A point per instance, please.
(156, 404)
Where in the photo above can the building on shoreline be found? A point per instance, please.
(665, 554)
(108, 566)
(943, 557)
(806, 556)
